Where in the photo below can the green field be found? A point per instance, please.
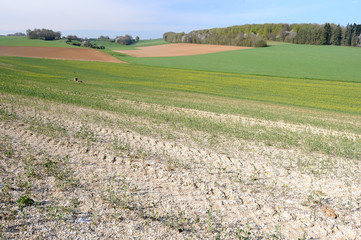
(51, 78)
(23, 41)
(141, 43)
(286, 60)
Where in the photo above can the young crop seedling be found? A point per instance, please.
(24, 201)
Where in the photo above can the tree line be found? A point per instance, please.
(256, 35)
(17, 34)
(47, 34)
(325, 34)
(218, 36)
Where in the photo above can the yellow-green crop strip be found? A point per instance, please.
(52, 78)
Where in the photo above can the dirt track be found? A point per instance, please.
(82, 54)
(179, 49)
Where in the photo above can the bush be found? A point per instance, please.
(76, 43)
(104, 38)
(44, 34)
(260, 43)
(73, 37)
(124, 40)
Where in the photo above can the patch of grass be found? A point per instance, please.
(47, 128)
(24, 201)
(86, 133)
(7, 150)
(6, 115)
(245, 233)
(122, 199)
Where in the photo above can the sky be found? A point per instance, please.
(149, 19)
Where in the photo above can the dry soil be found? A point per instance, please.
(103, 175)
(83, 54)
(178, 49)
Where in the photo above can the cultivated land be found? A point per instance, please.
(153, 152)
(58, 53)
(178, 49)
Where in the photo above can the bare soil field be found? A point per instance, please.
(58, 53)
(178, 49)
(101, 175)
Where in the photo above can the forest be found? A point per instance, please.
(256, 35)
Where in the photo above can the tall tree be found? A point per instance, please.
(326, 34)
(337, 35)
(354, 35)
(348, 35)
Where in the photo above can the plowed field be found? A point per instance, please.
(178, 49)
(58, 53)
(100, 174)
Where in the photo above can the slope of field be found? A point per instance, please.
(328, 95)
(150, 152)
(84, 54)
(287, 60)
(25, 42)
(178, 49)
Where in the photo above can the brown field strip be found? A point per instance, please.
(82, 54)
(178, 49)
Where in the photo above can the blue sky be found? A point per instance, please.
(151, 18)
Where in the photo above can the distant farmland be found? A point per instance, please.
(285, 60)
